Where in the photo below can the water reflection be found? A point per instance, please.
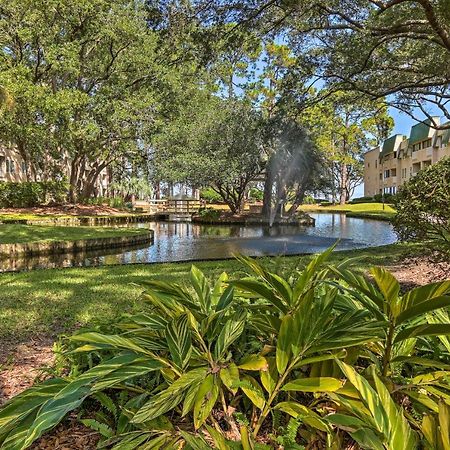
(186, 241)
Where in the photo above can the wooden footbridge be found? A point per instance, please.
(179, 208)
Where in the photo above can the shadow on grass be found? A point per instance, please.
(53, 301)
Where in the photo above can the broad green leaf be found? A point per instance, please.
(387, 417)
(194, 442)
(421, 361)
(368, 439)
(389, 287)
(246, 439)
(139, 367)
(299, 411)
(269, 375)
(281, 286)
(149, 321)
(202, 288)
(294, 409)
(218, 289)
(226, 298)
(23, 405)
(230, 376)
(231, 331)
(348, 423)
(205, 400)
(444, 423)
(253, 362)
(169, 398)
(400, 433)
(178, 336)
(307, 275)
(423, 330)
(219, 440)
(284, 342)
(362, 286)
(425, 293)
(320, 384)
(253, 391)
(315, 359)
(113, 342)
(420, 308)
(262, 291)
(70, 397)
(189, 399)
(430, 430)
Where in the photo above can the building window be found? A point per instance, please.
(386, 173)
(24, 167)
(10, 168)
(368, 164)
(381, 176)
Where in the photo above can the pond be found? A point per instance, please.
(188, 242)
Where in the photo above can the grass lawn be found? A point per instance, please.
(369, 210)
(56, 300)
(363, 210)
(10, 234)
(358, 207)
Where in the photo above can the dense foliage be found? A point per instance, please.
(377, 48)
(423, 207)
(89, 79)
(214, 142)
(29, 193)
(319, 358)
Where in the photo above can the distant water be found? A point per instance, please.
(188, 242)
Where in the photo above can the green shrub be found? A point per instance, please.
(388, 198)
(116, 202)
(423, 208)
(256, 194)
(316, 358)
(210, 214)
(32, 193)
(309, 200)
(210, 196)
(362, 200)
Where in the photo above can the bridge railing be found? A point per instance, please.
(174, 206)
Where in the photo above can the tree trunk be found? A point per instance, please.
(73, 180)
(343, 191)
(267, 196)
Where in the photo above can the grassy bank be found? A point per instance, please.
(361, 210)
(20, 234)
(56, 300)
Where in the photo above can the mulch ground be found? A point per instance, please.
(21, 364)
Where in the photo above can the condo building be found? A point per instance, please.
(14, 169)
(386, 168)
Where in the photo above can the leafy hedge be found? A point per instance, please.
(32, 193)
(423, 208)
(210, 196)
(319, 358)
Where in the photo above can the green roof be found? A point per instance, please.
(420, 132)
(388, 145)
